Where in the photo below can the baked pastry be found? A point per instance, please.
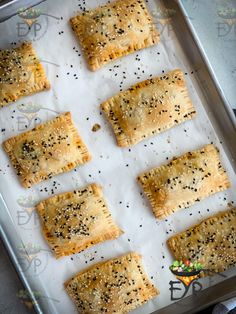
(114, 30)
(149, 107)
(211, 243)
(116, 286)
(46, 150)
(21, 73)
(184, 181)
(74, 221)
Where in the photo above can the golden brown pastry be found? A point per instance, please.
(114, 30)
(148, 108)
(184, 181)
(211, 243)
(116, 286)
(46, 150)
(74, 221)
(21, 73)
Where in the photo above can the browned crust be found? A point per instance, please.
(157, 182)
(28, 178)
(10, 92)
(129, 264)
(153, 116)
(211, 242)
(99, 55)
(65, 247)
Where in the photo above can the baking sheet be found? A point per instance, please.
(80, 91)
(215, 20)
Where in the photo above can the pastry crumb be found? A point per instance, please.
(96, 127)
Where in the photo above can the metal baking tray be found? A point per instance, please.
(216, 20)
(225, 130)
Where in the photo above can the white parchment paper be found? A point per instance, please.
(76, 89)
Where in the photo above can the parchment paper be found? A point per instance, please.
(76, 89)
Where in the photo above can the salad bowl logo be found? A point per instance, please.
(227, 14)
(29, 15)
(187, 274)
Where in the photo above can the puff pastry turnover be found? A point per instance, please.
(117, 286)
(212, 242)
(21, 73)
(184, 181)
(46, 150)
(114, 30)
(76, 220)
(149, 107)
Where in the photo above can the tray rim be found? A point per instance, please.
(207, 62)
(14, 259)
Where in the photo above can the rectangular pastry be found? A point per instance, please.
(48, 149)
(116, 286)
(184, 181)
(74, 221)
(21, 73)
(211, 243)
(114, 30)
(148, 108)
